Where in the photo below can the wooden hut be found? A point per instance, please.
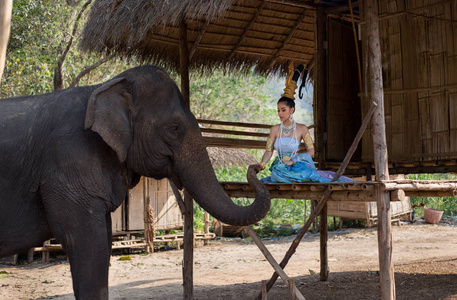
(401, 55)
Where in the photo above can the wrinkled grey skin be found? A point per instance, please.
(67, 159)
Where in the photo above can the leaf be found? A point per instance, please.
(124, 258)
(48, 281)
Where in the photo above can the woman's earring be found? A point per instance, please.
(291, 118)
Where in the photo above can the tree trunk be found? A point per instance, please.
(6, 8)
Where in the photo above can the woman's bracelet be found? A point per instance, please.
(263, 164)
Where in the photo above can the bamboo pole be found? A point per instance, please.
(380, 151)
(188, 285)
(316, 211)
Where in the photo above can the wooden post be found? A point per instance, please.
(149, 228)
(323, 243)
(206, 227)
(321, 84)
(188, 263)
(184, 62)
(380, 150)
(321, 99)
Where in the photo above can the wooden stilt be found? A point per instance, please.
(30, 256)
(149, 229)
(323, 243)
(188, 263)
(380, 150)
(205, 242)
(316, 211)
(264, 290)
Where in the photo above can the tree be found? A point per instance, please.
(6, 7)
(243, 98)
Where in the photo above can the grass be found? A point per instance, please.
(446, 204)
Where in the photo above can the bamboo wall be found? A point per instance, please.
(130, 216)
(419, 53)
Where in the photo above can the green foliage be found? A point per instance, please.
(239, 97)
(124, 258)
(40, 31)
(446, 204)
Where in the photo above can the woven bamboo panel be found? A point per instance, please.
(419, 53)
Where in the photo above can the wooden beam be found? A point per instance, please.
(198, 40)
(287, 39)
(295, 3)
(380, 150)
(285, 278)
(233, 132)
(248, 27)
(238, 124)
(362, 196)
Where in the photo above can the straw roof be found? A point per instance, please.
(225, 34)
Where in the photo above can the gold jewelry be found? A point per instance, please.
(291, 85)
(285, 158)
(269, 146)
(308, 141)
(263, 164)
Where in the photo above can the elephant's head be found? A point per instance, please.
(141, 115)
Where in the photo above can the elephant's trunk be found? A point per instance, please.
(197, 176)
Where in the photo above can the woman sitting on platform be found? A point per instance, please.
(290, 166)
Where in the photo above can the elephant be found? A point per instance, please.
(68, 158)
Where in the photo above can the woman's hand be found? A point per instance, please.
(289, 163)
(261, 165)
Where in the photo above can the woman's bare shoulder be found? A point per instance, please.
(275, 127)
(302, 127)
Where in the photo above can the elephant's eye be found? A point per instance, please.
(175, 127)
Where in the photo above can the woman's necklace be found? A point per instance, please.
(287, 129)
(291, 128)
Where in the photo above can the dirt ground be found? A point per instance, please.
(424, 255)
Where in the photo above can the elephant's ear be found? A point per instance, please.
(109, 114)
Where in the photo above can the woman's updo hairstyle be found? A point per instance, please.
(288, 96)
(286, 100)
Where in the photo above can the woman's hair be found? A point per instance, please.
(289, 102)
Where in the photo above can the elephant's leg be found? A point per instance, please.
(22, 228)
(83, 231)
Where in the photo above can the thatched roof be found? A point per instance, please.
(223, 157)
(226, 34)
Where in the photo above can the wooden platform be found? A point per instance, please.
(128, 243)
(348, 191)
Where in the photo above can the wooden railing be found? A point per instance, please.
(235, 134)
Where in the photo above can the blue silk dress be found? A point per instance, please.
(304, 169)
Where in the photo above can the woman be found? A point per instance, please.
(290, 166)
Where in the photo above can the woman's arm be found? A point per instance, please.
(306, 136)
(269, 148)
